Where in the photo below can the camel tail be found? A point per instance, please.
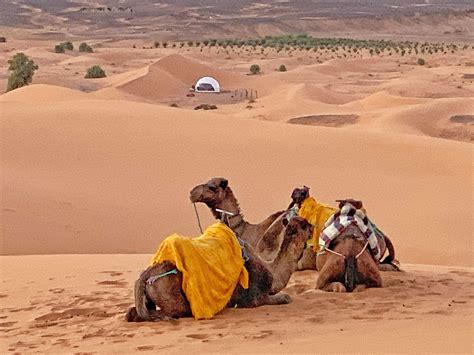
(391, 252)
(350, 273)
(139, 313)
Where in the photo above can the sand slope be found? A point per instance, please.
(172, 76)
(102, 176)
(76, 303)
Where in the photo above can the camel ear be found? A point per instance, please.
(223, 184)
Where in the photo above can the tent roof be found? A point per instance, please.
(209, 80)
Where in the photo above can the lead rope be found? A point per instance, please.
(197, 216)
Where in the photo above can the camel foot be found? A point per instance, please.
(132, 316)
(360, 288)
(335, 287)
(393, 266)
(279, 298)
(155, 316)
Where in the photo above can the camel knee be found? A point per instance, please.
(308, 260)
(279, 298)
(334, 287)
(132, 315)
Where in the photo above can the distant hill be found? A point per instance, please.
(181, 19)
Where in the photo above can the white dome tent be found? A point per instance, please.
(207, 84)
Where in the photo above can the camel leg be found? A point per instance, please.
(388, 267)
(308, 260)
(334, 287)
(360, 288)
(320, 261)
(273, 300)
(332, 269)
(155, 316)
(368, 271)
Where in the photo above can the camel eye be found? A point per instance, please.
(213, 188)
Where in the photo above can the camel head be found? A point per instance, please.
(356, 203)
(212, 193)
(298, 195)
(297, 232)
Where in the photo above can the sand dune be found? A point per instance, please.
(172, 76)
(321, 94)
(42, 93)
(98, 176)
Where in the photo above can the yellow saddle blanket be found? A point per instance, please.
(211, 265)
(316, 214)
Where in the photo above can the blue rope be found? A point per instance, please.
(152, 279)
(245, 256)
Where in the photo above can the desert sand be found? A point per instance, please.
(75, 303)
(95, 173)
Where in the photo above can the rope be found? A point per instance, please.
(360, 253)
(197, 216)
(344, 256)
(152, 279)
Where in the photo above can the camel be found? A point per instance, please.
(352, 269)
(264, 237)
(266, 280)
(308, 261)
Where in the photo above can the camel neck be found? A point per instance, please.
(230, 204)
(283, 266)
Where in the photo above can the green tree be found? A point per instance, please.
(95, 72)
(22, 70)
(282, 68)
(255, 69)
(421, 61)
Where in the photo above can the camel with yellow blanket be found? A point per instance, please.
(201, 276)
(317, 214)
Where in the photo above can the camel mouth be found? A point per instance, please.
(195, 195)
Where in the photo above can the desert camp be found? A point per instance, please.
(233, 176)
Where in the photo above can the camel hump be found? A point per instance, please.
(356, 203)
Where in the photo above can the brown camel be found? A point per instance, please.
(353, 269)
(308, 261)
(264, 237)
(266, 280)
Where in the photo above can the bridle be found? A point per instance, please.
(225, 217)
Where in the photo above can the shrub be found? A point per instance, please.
(282, 68)
(59, 48)
(156, 44)
(22, 70)
(95, 72)
(3, 39)
(84, 47)
(255, 69)
(68, 46)
(421, 61)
